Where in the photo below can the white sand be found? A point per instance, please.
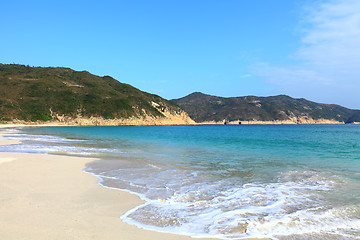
(6, 159)
(50, 197)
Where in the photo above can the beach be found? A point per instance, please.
(46, 196)
(213, 182)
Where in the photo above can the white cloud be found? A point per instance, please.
(329, 56)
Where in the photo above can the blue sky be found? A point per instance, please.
(307, 49)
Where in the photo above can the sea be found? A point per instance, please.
(221, 181)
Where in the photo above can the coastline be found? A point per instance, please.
(137, 122)
(47, 196)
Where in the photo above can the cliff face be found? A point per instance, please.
(145, 120)
(280, 109)
(62, 95)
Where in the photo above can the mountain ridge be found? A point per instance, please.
(204, 108)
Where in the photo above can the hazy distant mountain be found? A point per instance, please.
(202, 107)
(36, 93)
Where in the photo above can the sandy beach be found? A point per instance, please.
(50, 197)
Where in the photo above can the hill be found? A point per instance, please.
(207, 108)
(62, 94)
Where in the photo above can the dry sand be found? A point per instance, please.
(50, 197)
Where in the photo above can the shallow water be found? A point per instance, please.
(285, 182)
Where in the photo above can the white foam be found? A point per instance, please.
(264, 210)
(48, 144)
(40, 138)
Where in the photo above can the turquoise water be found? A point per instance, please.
(300, 181)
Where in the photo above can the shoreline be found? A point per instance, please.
(46, 196)
(39, 200)
(61, 124)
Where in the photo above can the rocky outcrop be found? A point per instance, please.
(170, 119)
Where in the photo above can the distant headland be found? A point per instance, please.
(280, 109)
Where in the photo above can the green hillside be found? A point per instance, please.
(36, 93)
(202, 107)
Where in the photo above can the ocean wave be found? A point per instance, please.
(40, 138)
(199, 207)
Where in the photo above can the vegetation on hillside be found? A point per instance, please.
(202, 107)
(36, 93)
